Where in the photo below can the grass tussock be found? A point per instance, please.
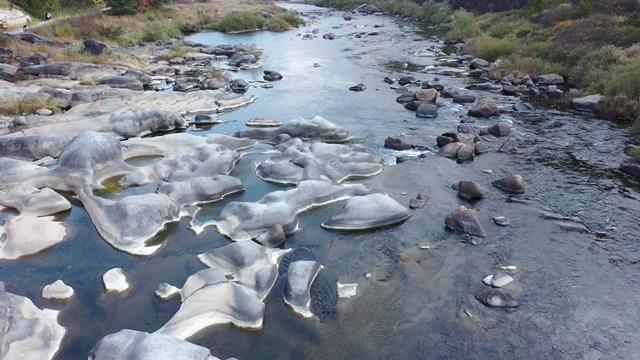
(25, 105)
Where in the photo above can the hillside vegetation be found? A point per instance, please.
(594, 44)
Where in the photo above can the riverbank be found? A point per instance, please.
(593, 46)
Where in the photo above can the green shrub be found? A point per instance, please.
(490, 48)
(240, 21)
(123, 7)
(463, 25)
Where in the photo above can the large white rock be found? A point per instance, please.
(37, 202)
(28, 333)
(368, 212)
(297, 293)
(136, 345)
(317, 128)
(57, 291)
(28, 234)
(318, 161)
(115, 280)
(242, 221)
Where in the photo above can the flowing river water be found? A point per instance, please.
(578, 292)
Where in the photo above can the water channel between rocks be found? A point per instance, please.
(578, 293)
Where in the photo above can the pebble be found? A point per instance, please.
(487, 171)
(498, 280)
(368, 275)
(501, 221)
(510, 268)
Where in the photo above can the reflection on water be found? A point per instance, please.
(578, 295)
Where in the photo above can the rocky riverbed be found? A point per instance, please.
(465, 220)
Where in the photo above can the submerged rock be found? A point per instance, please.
(346, 291)
(114, 280)
(270, 75)
(314, 129)
(358, 87)
(501, 221)
(498, 280)
(136, 345)
(263, 122)
(297, 292)
(465, 221)
(57, 291)
(368, 212)
(496, 298)
(420, 201)
(27, 331)
(243, 221)
(512, 183)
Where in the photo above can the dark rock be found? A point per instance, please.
(465, 129)
(406, 97)
(446, 138)
(450, 93)
(242, 59)
(426, 96)
(396, 144)
(478, 63)
(500, 129)
(427, 111)
(432, 85)
(367, 9)
(45, 70)
(94, 47)
(510, 146)
(270, 75)
(631, 168)
(484, 108)
(239, 86)
(412, 105)
(186, 85)
(389, 80)
(466, 152)
(214, 84)
(465, 221)
(471, 190)
(406, 80)
(477, 73)
(549, 79)
(587, 103)
(329, 36)
(358, 87)
(464, 99)
(510, 90)
(512, 183)
(347, 17)
(419, 202)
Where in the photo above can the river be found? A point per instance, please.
(578, 292)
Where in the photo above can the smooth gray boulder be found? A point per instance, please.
(143, 122)
(427, 111)
(136, 345)
(15, 172)
(88, 160)
(263, 122)
(121, 82)
(29, 234)
(318, 161)
(242, 221)
(317, 129)
(114, 280)
(27, 331)
(33, 147)
(586, 103)
(500, 129)
(429, 96)
(497, 298)
(368, 212)
(465, 221)
(549, 79)
(29, 200)
(512, 183)
(297, 292)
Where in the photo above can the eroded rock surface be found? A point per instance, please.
(368, 212)
(297, 293)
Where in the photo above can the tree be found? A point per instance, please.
(123, 7)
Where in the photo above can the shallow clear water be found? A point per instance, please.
(578, 293)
